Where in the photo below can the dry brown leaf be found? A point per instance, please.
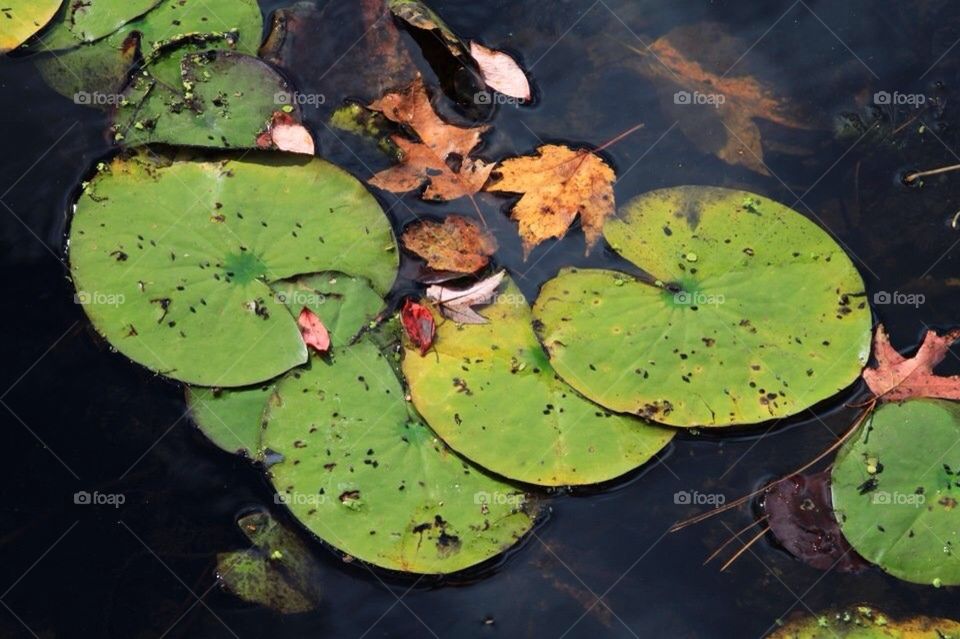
(440, 158)
(558, 183)
(896, 378)
(501, 72)
(457, 244)
(715, 111)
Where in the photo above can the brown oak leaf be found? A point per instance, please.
(558, 183)
(457, 244)
(715, 105)
(440, 158)
(896, 378)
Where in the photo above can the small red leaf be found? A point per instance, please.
(313, 331)
(896, 378)
(419, 324)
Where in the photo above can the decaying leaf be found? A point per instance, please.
(896, 378)
(315, 334)
(440, 158)
(864, 622)
(501, 72)
(457, 304)
(800, 514)
(715, 104)
(417, 14)
(558, 183)
(286, 134)
(457, 244)
(419, 325)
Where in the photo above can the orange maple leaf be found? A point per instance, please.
(896, 378)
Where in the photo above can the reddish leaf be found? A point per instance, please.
(419, 324)
(896, 378)
(314, 333)
(800, 512)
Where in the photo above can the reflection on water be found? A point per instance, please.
(870, 91)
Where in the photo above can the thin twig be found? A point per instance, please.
(745, 548)
(735, 536)
(919, 174)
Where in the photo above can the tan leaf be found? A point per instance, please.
(716, 105)
(501, 72)
(457, 244)
(558, 184)
(440, 158)
(896, 378)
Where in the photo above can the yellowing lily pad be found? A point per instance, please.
(751, 312)
(20, 19)
(865, 622)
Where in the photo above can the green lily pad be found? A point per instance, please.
(896, 485)
(84, 22)
(20, 19)
(279, 572)
(233, 418)
(865, 622)
(366, 476)
(209, 98)
(175, 258)
(545, 432)
(95, 73)
(755, 314)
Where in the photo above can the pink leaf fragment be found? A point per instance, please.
(896, 378)
(501, 72)
(457, 305)
(313, 331)
(286, 134)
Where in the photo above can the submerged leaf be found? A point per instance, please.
(419, 325)
(557, 184)
(501, 72)
(865, 622)
(896, 378)
(20, 19)
(457, 244)
(279, 572)
(457, 304)
(440, 158)
(417, 14)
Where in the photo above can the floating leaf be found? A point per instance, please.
(546, 433)
(211, 98)
(367, 477)
(457, 305)
(233, 418)
(557, 184)
(501, 72)
(177, 258)
(800, 515)
(896, 378)
(715, 104)
(89, 20)
(286, 134)
(94, 73)
(865, 622)
(279, 572)
(419, 325)
(755, 313)
(440, 157)
(313, 331)
(896, 485)
(457, 244)
(20, 19)
(418, 15)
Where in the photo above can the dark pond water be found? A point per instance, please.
(77, 417)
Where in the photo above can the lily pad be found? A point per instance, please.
(233, 418)
(84, 22)
(95, 73)
(896, 485)
(366, 476)
(751, 312)
(176, 258)
(865, 622)
(20, 19)
(545, 433)
(210, 98)
(279, 572)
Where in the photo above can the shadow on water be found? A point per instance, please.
(79, 418)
